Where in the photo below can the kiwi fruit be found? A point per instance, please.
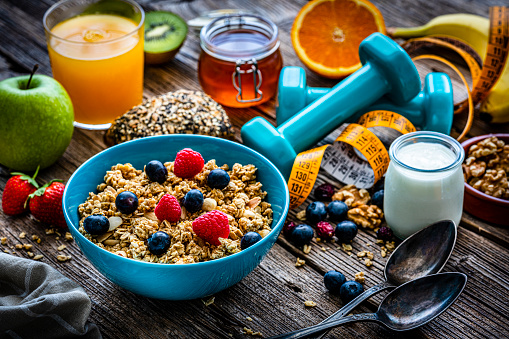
(165, 33)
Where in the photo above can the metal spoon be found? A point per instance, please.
(424, 252)
(409, 306)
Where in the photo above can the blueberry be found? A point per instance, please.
(333, 281)
(337, 210)
(96, 224)
(218, 178)
(350, 290)
(156, 171)
(159, 243)
(288, 229)
(378, 199)
(126, 202)
(316, 212)
(379, 185)
(249, 239)
(193, 200)
(346, 231)
(302, 234)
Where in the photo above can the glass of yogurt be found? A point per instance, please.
(424, 182)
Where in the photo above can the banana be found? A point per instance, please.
(474, 30)
(496, 105)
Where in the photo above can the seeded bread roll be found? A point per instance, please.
(180, 112)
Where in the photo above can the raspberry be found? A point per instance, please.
(188, 163)
(168, 208)
(288, 228)
(324, 192)
(211, 226)
(324, 230)
(384, 233)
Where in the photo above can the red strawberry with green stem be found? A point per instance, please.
(46, 204)
(16, 192)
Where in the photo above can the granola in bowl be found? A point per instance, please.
(242, 200)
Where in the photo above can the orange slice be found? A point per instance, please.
(326, 34)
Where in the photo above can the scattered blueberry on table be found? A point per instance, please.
(333, 280)
(337, 210)
(158, 243)
(96, 224)
(378, 199)
(302, 234)
(156, 171)
(316, 212)
(218, 178)
(193, 200)
(350, 290)
(126, 202)
(346, 231)
(288, 229)
(249, 239)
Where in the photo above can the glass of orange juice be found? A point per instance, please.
(96, 53)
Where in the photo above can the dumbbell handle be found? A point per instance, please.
(317, 119)
(412, 109)
(314, 93)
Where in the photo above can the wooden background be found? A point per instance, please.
(272, 295)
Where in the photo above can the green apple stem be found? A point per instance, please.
(31, 75)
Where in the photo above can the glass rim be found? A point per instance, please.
(211, 29)
(59, 3)
(453, 144)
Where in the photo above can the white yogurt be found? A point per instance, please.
(424, 182)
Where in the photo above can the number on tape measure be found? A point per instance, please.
(340, 159)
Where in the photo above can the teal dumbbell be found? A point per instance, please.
(430, 110)
(387, 69)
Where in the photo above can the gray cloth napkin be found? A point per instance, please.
(36, 301)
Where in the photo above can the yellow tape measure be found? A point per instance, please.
(496, 53)
(342, 162)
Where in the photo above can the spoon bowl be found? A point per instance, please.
(409, 306)
(425, 252)
(417, 302)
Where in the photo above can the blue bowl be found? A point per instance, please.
(174, 281)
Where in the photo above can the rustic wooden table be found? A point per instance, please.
(271, 298)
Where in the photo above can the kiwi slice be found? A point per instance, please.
(165, 33)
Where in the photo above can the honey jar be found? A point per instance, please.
(240, 60)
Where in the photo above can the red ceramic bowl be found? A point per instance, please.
(479, 204)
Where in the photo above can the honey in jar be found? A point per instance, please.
(240, 60)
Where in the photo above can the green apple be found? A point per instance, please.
(36, 124)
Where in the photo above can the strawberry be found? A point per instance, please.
(16, 193)
(46, 204)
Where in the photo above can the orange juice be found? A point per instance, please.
(98, 58)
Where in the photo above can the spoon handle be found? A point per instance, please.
(352, 304)
(309, 331)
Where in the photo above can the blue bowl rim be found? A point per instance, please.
(284, 213)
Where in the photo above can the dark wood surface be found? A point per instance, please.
(273, 294)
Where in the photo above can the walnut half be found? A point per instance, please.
(367, 216)
(352, 196)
